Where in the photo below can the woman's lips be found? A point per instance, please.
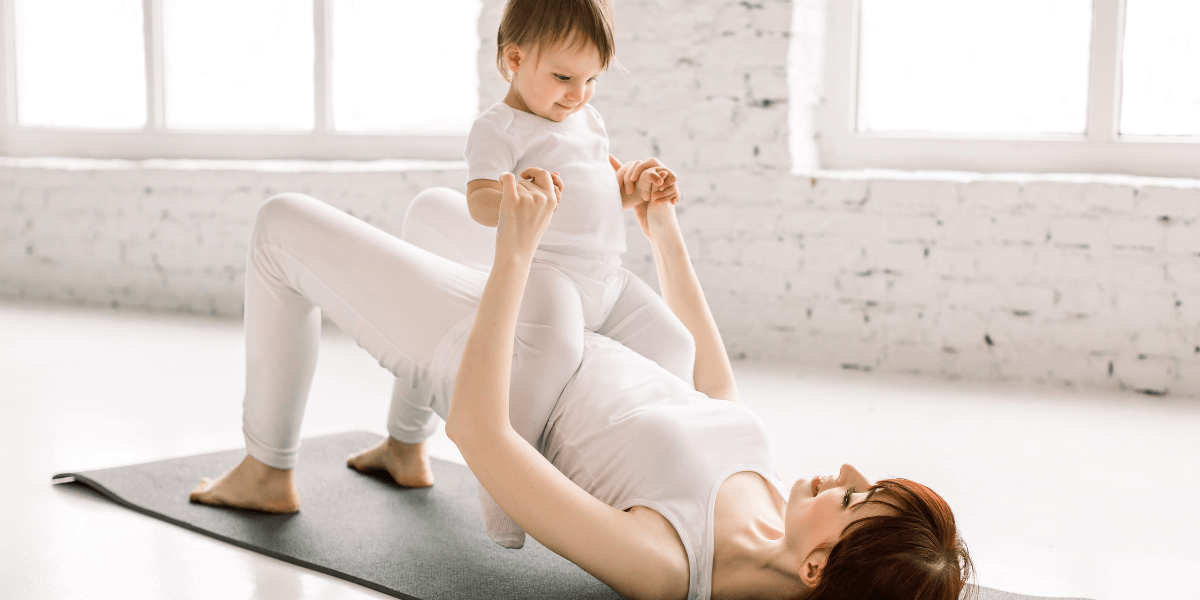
(816, 485)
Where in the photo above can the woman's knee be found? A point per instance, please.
(280, 210)
(433, 207)
(282, 206)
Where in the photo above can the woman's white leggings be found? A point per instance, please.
(402, 299)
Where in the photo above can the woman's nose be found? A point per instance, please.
(850, 476)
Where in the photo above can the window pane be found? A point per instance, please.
(405, 66)
(1161, 72)
(974, 66)
(238, 65)
(80, 63)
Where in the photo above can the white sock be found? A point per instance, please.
(498, 525)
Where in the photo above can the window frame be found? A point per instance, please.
(1102, 149)
(154, 140)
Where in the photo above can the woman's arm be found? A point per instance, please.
(681, 290)
(614, 546)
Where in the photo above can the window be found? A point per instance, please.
(321, 79)
(1016, 85)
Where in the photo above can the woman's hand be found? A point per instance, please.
(644, 181)
(526, 207)
(657, 217)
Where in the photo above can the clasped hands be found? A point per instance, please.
(652, 190)
(644, 181)
(528, 204)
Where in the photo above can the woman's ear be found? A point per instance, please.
(813, 566)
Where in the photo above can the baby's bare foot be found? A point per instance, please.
(251, 485)
(408, 464)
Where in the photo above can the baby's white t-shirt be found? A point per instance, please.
(588, 218)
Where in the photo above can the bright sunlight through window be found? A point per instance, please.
(1161, 82)
(238, 65)
(80, 64)
(974, 66)
(385, 76)
(248, 66)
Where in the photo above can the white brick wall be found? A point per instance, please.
(171, 235)
(1008, 277)
(976, 278)
(1066, 279)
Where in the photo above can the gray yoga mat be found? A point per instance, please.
(425, 544)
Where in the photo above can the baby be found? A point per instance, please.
(551, 52)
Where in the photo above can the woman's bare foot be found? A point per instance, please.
(252, 485)
(408, 464)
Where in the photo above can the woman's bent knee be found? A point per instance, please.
(283, 205)
(280, 210)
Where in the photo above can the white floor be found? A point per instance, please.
(1058, 493)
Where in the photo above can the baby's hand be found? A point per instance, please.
(658, 185)
(645, 181)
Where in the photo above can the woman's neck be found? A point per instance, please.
(750, 558)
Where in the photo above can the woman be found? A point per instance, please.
(656, 489)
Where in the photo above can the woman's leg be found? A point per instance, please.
(436, 221)
(549, 339)
(395, 300)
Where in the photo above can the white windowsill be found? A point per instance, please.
(403, 165)
(969, 176)
(265, 166)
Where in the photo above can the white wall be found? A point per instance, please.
(171, 235)
(1075, 280)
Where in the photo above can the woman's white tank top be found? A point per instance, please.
(632, 434)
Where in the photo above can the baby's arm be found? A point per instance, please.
(483, 199)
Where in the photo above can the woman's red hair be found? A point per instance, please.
(913, 552)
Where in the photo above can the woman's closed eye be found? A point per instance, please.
(846, 498)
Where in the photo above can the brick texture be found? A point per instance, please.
(170, 235)
(1069, 280)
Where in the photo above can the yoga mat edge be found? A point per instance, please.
(86, 481)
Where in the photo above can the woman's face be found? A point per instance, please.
(555, 82)
(818, 509)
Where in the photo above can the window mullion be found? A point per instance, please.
(1104, 81)
(322, 82)
(152, 30)
(8, 88)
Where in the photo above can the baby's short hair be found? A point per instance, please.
(545, 23)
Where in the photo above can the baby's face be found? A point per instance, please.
(556, 82)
